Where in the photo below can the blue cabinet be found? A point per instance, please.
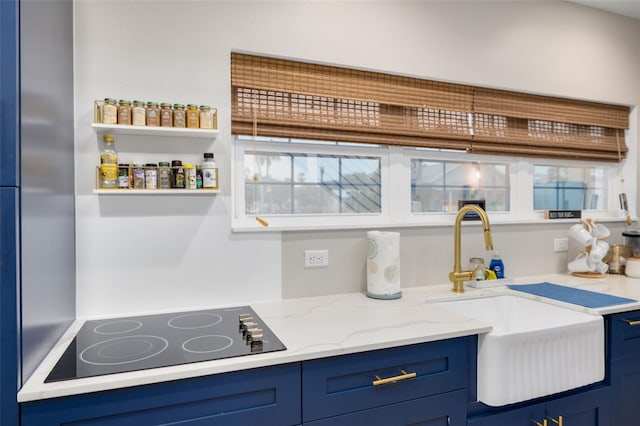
(416, 384)
(267, 396)
(624, 366)
(403, 385)
(587, 408)
(448, 409)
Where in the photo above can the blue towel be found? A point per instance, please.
(575, 296)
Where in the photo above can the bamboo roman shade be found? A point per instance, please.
(291, 99)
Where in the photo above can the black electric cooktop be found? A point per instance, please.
(138, 343)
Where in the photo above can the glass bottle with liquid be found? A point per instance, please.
(109, 164)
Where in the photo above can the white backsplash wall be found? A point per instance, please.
(426, 255)
(139, 254)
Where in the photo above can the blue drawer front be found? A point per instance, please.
(269, 396)
(344, 384)
(447, 409)
(625, 335)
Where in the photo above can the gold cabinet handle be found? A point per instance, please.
(403, 376)
(631, 323)
(544, 423)
(558, 422)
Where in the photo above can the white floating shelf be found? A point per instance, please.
(179, 192)
(121, 129)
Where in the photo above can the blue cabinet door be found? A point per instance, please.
(9, 258)
(349, 383)
(448, 409)
(9, 94)
(589, 408)
(525, 416)
(262, 396)
(624, 365)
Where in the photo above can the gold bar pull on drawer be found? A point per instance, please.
(403, 376)
(544, 423)
(558, 422)
(632, 323)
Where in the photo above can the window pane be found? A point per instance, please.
(568, 188)
(437, 186)
(312, 184)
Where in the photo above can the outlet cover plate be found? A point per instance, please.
(560, 245)
(316, 258)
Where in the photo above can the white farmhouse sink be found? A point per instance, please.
(534, 349)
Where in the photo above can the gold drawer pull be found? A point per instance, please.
(544, 423)
(403, 376)
(631, 323)
(558, 422)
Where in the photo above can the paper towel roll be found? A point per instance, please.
(383, 265)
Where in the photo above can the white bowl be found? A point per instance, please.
(633, 267)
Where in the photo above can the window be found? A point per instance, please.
(437, 186)
(307, 183)
(569, 188)
(304, 184)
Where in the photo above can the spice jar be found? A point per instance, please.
(151, 176)
(177, 174)
(109, 111)
(153, 114)
(206, 117)
(189, 176)
(123, 176)
(138, 175)
(138, 114)
(164, 175)
(166, 115)
(193, 117)
(209, 172)
(124, 112)
(179, 116)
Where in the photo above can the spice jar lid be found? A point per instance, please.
(152, 104)
(205, 107)
(176, 163)
(165, 105)
(208, 155)
(123, 164)
(109, 138)
(192, 106)
(151, 165)
(124, 101)
(138, 102)
(178, 106)
(164, 164)
(110, 100)
(187, 166)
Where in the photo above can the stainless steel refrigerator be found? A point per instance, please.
(37, 230)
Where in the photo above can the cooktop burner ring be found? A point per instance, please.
(220, 346)
(151, 346)
(194, 320)
(113, 327)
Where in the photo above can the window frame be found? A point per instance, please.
(395, 173)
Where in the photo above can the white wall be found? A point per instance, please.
(142, 254)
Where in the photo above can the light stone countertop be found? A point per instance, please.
(317, 327)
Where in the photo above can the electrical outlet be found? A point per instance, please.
(560, 245)
(316, 258)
